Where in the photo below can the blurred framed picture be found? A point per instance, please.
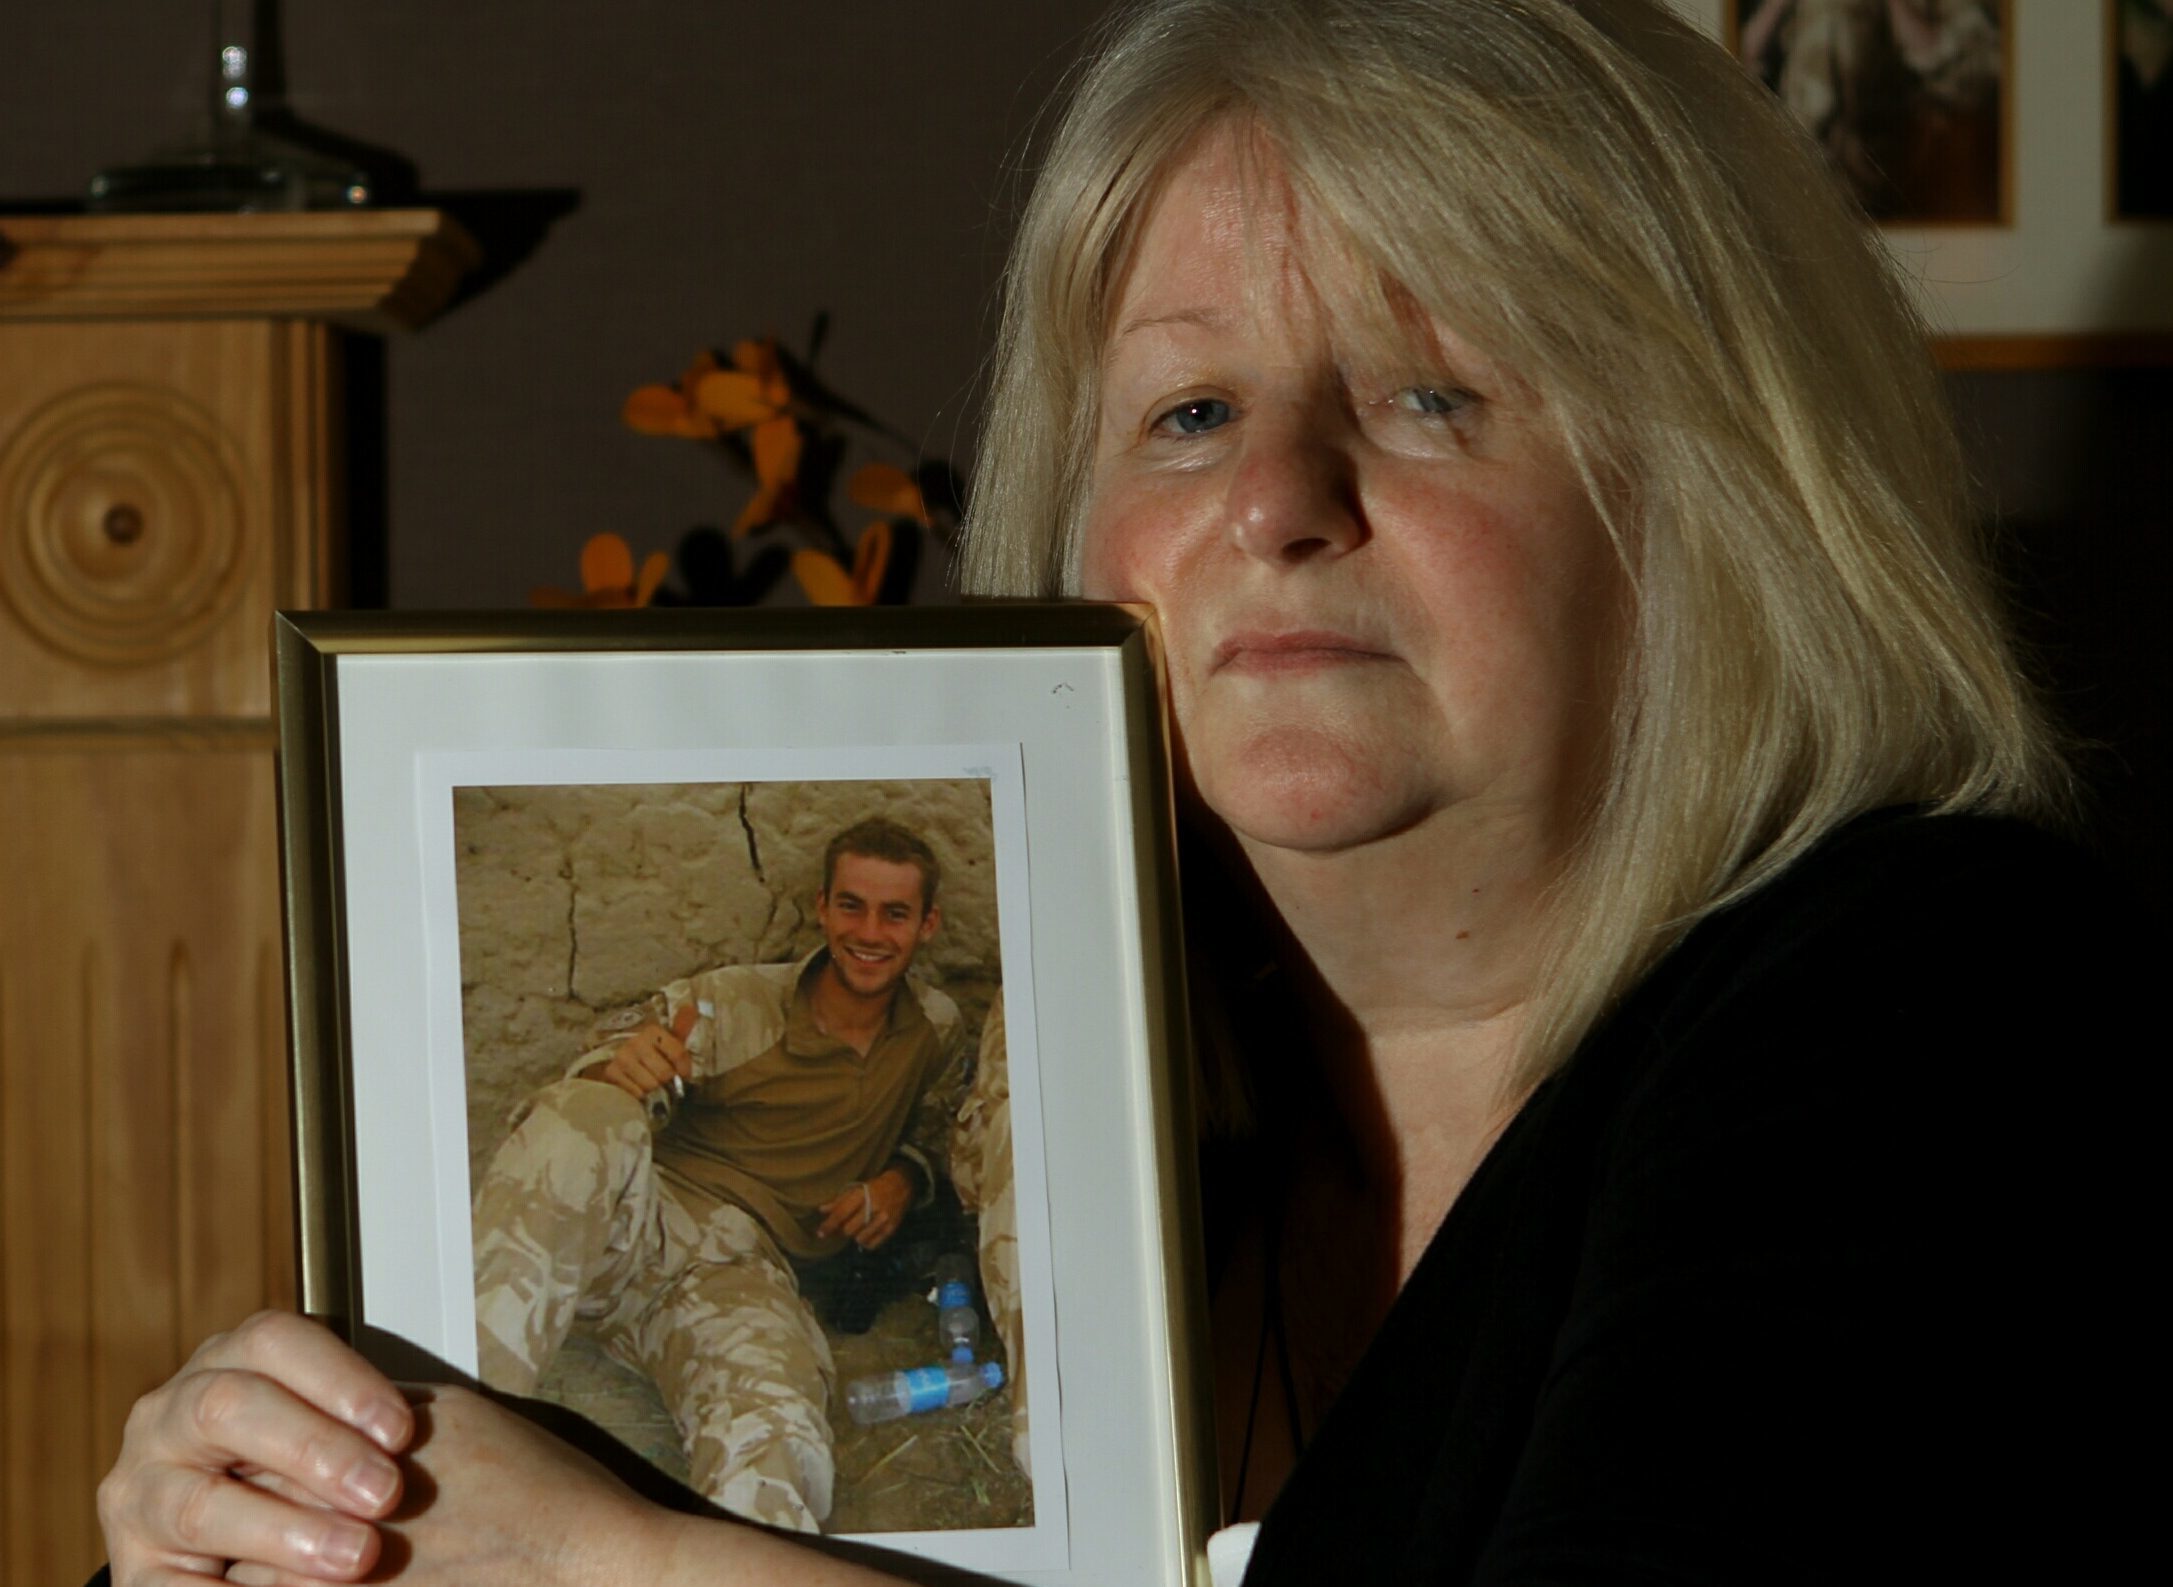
(2140, 68)
(1908, 99)
(760, 1035)
(2004, 151)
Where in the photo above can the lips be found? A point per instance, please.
(1292, 650)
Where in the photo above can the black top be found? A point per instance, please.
(1792, 1274)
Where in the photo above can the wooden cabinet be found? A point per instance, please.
(170, 474)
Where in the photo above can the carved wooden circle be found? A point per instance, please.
(123, 523)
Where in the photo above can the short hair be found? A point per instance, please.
(879, 838)
(1604, 203)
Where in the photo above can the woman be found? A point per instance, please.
(1575, 642)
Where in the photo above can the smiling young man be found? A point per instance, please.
(804, 1107)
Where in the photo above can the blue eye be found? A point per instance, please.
(1433, 400)
(1196, 417)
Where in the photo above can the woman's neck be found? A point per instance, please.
(1412, 963)
(1420, 956)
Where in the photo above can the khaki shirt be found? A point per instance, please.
(780, 1118)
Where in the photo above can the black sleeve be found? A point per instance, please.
(1829, 1322)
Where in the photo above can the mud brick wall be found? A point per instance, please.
(577, 900)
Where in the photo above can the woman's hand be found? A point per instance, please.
(491, 1499)
(267, 1460)
(273, 1444)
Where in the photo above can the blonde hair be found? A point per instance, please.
(1603, 202)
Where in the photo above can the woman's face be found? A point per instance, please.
(1384, 594)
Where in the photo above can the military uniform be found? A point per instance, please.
(675, 1245)
(982, 1173)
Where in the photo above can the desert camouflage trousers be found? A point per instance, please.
(982, 1173)
(571, 1222)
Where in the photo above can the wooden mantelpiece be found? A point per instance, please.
(171, 454)
(365, 270)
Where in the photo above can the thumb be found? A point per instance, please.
(683, 1021)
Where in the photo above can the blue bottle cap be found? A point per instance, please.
(992, 1374)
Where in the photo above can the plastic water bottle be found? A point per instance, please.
(958, 1325)
(886, 1396)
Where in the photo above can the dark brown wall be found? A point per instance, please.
(2076, 472)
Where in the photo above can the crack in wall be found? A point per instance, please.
(573, 927)
(754, 849)
(754, 859)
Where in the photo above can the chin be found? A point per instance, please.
(1308, 793)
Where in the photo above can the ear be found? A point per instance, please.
(931, 918)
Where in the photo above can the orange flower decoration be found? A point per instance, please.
(753, 391)
(889, 490)
(672, 410)
(828, 584)
(776, 447)
(770, 414)
(608, 579)
(710, 401)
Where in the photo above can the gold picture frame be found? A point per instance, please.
(396, 729)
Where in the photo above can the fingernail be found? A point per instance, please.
(340, 1544)
(371, 1483)
(388, 1423)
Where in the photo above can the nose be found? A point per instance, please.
(1294, 495)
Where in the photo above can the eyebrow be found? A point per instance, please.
(1202, 318)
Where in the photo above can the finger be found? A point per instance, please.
(835, 1214)
(194, 1574)
(672, 1062)
(178, 1571)
(254, 1573)
(273, 1483)
(638, 1070)
(209, 1514)
(314, 1367)
(168, 1573)
(683, 1022)
(248, 1573)
(230, 1419)
(672, 1053)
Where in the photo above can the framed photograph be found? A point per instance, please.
(761, 1034)
(1989, 141)
(2140, 66)
(1908, 99)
